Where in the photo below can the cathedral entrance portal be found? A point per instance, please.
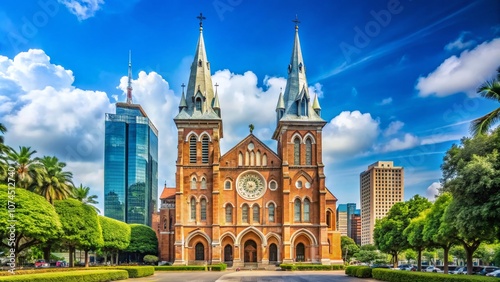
(273, 253)
(228, 255)
(250, 250)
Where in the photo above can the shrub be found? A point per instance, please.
(180, 268)
(293, 267)
(218, 267)
(70, 276)
(150, 259)
(137, 271)
(401, 275)
(364, 272)
(351, 270)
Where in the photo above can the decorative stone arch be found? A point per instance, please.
(192, 133)
(195, 233)
(203, 197)
(204, 133)
(276, 236)
(248, 230)
(192, 197)
(306, 197)
(309, 135)
(227, 234)
(228, 203)
(305, 232)
(329, 221)
(296, 135)
(270, 202)
(255, 204)
(304, 174)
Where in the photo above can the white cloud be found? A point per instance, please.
(385, 101)
(316, 89)
(83, 9)
(461, 42)
(350, 133)
(396, 144)
(393, 128)
(463, 73)
(433, 190)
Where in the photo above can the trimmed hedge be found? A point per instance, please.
(218, 267)
(71, 276)
(360, 271)
(413, 276)
(137, 271)
(181, 268)
(292, 267)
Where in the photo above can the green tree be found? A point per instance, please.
(410, 255)
(56, 183)
(349, 248)
(367, 254)
(3, 129)
(116, 236)
(80, 226)
(485, 253)
(458, 252)
(388, 232)
(415, 236)
(36, 221)
(29, 171)
(489, 90)
(81, 193)
(150, 259)
(436, 228)
(143, 241)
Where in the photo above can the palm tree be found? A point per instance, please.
(29, 171)
(491, 90)
(3, 129)
(81, 193)
(3, 150)
(56, 183)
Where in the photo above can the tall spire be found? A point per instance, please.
(296, 96)
(183, 104)
(200, 92)
(129, 87)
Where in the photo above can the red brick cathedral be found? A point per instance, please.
(250, 206)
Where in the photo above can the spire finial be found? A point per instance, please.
(201, 18)
(183, 85)
(216, 85)
(129, 87)
(296, 21)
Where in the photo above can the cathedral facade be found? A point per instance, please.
(250, 206)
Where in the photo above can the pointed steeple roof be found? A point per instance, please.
(129, 86)
(315, 105)
(200, 84)
(182, 103)
(216, 104)
(296, 85)
(281, 102)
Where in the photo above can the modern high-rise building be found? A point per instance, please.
(130, 163)
(381, 186)
(355, 233)
(344, 215)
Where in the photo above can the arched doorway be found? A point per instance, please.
(199, 252)
(300, 252)
(273, 253)
(228, 255)
(250, 250)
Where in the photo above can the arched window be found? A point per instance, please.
(307, 207)
(171, 221)
(193, 209)
(296, 151)
(257, 159)
(329, 219)
(252, 158)
(199, 252)
(204, 149)
(296, 210)
(203, 183)
(247, 158)
(244, 213)
(227, 185)
(198, 104)
(229, 213)
(240, 159)
(256, 213)
(270, 209)
(264, 160)
(165, 224)
(192, 149)
(193, 183)
(203, 209)
(308, 151)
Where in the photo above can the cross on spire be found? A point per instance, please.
(183, 85)
(296, 21)
(216, 85)
(201, 18)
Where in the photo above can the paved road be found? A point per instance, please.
(250, 276)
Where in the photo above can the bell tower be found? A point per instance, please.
(199, 130)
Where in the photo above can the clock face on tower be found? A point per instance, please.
(251, 185)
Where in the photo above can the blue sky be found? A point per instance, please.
(396, 79)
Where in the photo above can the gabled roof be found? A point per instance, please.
(167, 193)
(256, 140)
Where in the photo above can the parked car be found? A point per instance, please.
(433, 269)
(405, 266)
(493, 273)
(487, 269)
(380, 266)
(41, 263)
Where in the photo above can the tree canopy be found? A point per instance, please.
(349, 248)
(116, 234)
(36, 220)
(142, 240)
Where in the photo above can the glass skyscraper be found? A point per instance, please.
(130, 165)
